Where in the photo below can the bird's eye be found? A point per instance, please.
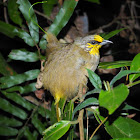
(93, 42)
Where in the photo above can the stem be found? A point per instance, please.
(81, 112)
(74, 122)
(133, 84)
(58, 114)
(87, 124)
(98, 128)
(81, 126)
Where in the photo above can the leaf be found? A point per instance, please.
(68, 116)
(23, 55)
(135, 65)
(5, 121)
(87, 102)
(60, 21)
(57, 130)
(124, 139)
(24, 7)
(19, 100)
(92, 92)
(53, 113)
(13, 12)
(121, 74)
(26, 89)
(12, 31)
(123, 128)
(115, 64)
(8, 131)
(8, 107)
(47, 7)
(63, 16)
(37, 123)
(25, 36)
(111, 100)
(62, 103)
(68, 111)
(29, 134)
(128, 107)
(7, 29)
(43, 42)
(10, 81)
(94, 1)
(111, 34)
(94, 79)
(5, 69)
(120, 127)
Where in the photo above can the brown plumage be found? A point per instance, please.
(65, 68)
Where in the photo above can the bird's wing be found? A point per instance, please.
(53, 44)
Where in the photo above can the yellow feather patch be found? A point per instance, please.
(95, 49)
(98, 38)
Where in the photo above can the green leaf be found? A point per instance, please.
(24, 7)
(12, 31)
(62, 103)
(8, 131)
(124, 139)
(5, 69)
(43, 42)
(26, 89)
(63, 16)
(23, 55)
(57, 130)
(123, 128)
(10, 81)
(135, 65)
(7, 29)
(128, 107)
(5, 121)
(94, 79)
(29, 135)
(60, 21)
(121, 74)
(47, 7)
(87, 102)
(92, 92)
(120, 127)
(19, 100)
(111, 100)
(111, 34)
(53, 111)
(94, 1)
(68, 111)
(25, 36)
(115, 64)
(68, 116)
(38, 124)
(8, 107)
(13, 12)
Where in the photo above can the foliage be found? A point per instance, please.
(30, 120)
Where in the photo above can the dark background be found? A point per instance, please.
(125, 45)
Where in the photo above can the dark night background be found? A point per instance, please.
(101, 19)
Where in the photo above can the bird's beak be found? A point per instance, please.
(105, 42)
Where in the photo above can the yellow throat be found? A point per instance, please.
(95, 47)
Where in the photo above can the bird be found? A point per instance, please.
(66, 65)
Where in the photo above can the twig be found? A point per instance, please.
(81, 112)
(43, 15)
(5, 12)
(34, 110)
(98, 128)
(133, 84)
(87, 125)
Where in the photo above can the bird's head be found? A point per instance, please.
(92, 43)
